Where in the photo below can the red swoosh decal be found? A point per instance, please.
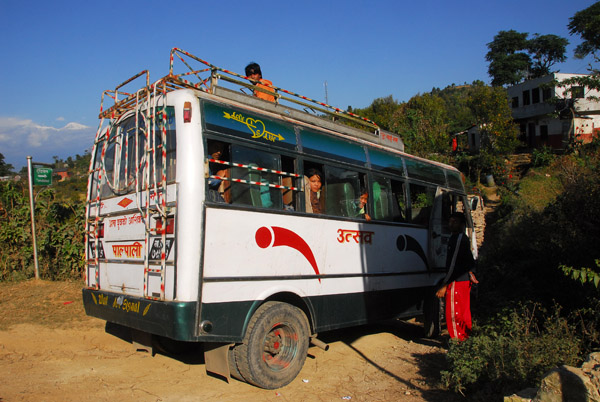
(285, 237)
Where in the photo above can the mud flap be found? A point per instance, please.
(215, 359)
(142, 341)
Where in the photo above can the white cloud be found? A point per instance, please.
(75, 126)
(60, 118)
(22, 137)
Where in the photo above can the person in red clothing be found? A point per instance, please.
(255, 75)
(456, 286)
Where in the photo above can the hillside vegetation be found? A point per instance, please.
(537, 305)
(59, 214)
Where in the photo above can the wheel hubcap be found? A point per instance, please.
(280, 347)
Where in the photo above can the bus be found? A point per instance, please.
(200, 226)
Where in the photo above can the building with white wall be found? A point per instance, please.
(552, 115)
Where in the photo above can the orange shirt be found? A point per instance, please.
(266, 85)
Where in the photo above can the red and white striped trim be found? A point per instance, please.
(255, 183)
(260, 169)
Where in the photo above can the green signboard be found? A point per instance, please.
(42, 176)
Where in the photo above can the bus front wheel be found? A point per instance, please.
(275, 346)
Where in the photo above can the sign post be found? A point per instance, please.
(41, 176)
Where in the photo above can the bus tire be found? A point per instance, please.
(431, 316)
(275, 346)
(234, 371)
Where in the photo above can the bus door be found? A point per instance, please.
(445, 204)
(439, 231)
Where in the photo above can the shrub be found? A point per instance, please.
(542, 156)
(60, 235)
(513, 351)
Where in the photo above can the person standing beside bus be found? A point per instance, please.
(456, 286)
(255, 75)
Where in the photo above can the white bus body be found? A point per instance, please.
(248, 271)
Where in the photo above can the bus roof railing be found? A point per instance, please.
(293, 97)
(208, 77)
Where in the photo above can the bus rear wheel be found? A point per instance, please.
(275, 346)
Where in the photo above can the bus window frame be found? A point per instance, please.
(410, 214)
(281, 152)
(301, 158)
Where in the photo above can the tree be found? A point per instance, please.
(381, 111)
(586, 23)
(459, 116)
(5, 168)
(513, 57)
(508, 61)
(497, 130)
(494, 119)
(546, 50)
(422, 122)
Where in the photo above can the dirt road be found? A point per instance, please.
(50, 351)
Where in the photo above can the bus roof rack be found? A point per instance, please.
(208, 78)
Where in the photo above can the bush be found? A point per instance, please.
(542, 156)
(511, 353)
(60, 235)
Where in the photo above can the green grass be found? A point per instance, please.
(539, 188)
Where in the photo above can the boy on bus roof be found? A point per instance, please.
(255, 75)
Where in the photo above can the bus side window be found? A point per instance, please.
(381, 199)
(288, 195)
(310, 170)
(342, 188)
(458, 204)
(421, 203)
(253, 181)
(218, 189)
(448, 202)
(171, 154)
(399, 204)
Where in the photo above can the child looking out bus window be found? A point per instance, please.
(315, 202)
(217, 188)
(361, 205)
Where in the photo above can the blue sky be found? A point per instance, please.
(58, 56)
